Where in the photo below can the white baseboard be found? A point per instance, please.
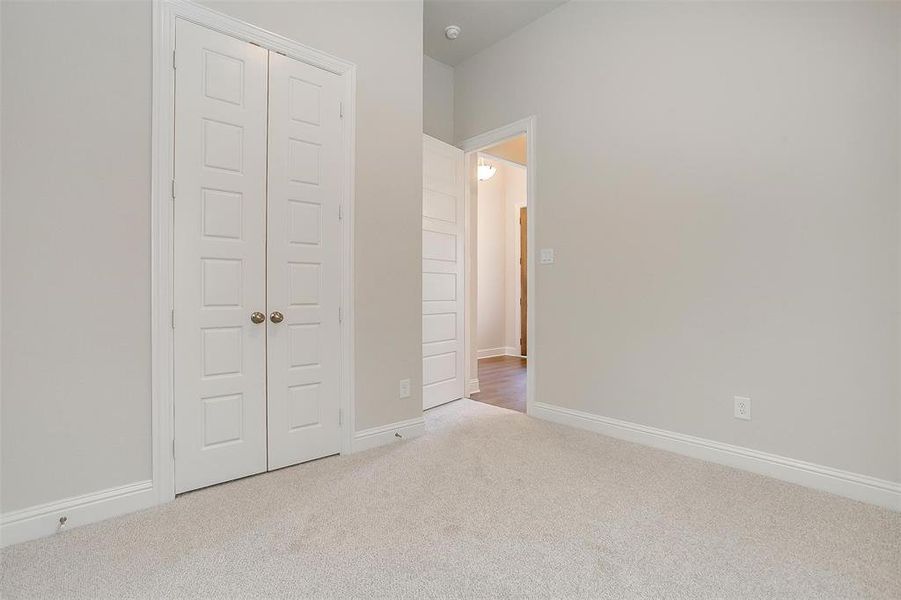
(842, 483)
(491, 352)
(393, 432)
(44, 519)
(501, 351)
(473, 387)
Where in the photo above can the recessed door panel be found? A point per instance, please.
(220, 207)
(303, 261)
(439, 327)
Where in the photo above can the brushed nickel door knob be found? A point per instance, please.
(276, 317)
(257, 317)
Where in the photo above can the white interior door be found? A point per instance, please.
(303, 261)
(220, 257)
(442, 273)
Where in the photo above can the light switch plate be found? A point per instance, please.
(547, 256)
(404, 388)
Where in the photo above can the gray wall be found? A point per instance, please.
(75, 249)
(438, 99)
(721, 185)
(76, 95)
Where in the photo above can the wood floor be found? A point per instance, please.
(502, 382)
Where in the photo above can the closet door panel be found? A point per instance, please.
(219, 228)
(303, 261)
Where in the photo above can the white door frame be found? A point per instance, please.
(471, 146)
(165, 13)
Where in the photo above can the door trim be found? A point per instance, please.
(470, 147)
(165, 13)
(523, 279)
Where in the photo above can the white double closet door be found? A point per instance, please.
(257, 288)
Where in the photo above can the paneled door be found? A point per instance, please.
(303, 261)
(220, 257)
(442, 273)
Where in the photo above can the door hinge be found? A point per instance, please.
(339, 416)
(340, 212)
(340, 109)
(173, 319)
(173, 448)
(173, 189)
(340, 315)
(173, 60)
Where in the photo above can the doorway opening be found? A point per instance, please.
(453, 235)
(500, 214)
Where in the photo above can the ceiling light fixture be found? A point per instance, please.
(452, 32)
(485, 171)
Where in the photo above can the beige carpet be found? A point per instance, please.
(488, 504)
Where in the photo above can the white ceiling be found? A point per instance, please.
(483, 22)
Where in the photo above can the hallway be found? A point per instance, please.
(502, 382)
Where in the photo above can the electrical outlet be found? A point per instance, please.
(404, 388)
(742, 408)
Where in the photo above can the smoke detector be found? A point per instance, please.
(452, 32)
